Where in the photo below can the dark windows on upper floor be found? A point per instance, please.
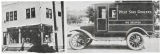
(59, 14)
(15, 15)
(7, 16)
(11, 16)
(27, 13)
(30, 13)
(48, 13)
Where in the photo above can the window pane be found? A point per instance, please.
(47, 38)
(50, 13)
(47, 13)
(59, 13)
(112, 12)
(27, 13)
(101, 11)
(104, 13)
(11, 16)
(7, 16)
(15, 15)
(32, 12)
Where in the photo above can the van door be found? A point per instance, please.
(102, 23)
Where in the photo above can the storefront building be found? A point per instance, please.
(39, 22)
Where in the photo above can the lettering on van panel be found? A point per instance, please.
(122, 12)
(133, 22)
(134, 12)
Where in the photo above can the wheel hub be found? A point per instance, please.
(80, 41)
(137, 39)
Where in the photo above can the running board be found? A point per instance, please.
(109, 38)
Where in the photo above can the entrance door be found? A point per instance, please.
(102, 19)
(5, 38)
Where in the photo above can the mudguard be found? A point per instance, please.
(141, 30)
(81, 30)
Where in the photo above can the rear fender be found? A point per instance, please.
(137, 29)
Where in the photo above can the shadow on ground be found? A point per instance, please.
(107, 47)
(42, 49)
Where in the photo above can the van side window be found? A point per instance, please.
(102, 12)
(11, 16)
(15, 15)
(32, 12)
(112, 12)
(28, 13)
(7, 16)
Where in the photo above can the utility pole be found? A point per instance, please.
(55, 26)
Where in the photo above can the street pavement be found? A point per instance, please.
(151, 45)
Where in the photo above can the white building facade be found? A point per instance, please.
(39, 22)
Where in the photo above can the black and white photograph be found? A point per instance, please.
(33, 26)
(59, 26)
(113, 26)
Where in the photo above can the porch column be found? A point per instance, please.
(41, 31)
(41, 37)
(8, 39)
(19, 30)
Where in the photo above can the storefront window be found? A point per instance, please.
(47, 38)
(13, 34)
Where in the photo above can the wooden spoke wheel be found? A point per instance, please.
(135, 41)
(79, 41)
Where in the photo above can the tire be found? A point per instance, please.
(89, 42)
(79, 41)
(135, 41)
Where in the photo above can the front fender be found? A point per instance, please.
(83, 31)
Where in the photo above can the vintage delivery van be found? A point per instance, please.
(131, 21)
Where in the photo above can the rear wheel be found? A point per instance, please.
(79, 40)
(135, 41)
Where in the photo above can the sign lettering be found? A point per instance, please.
(134, 12)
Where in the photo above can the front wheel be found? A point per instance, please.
(79, 41)
(135, 41)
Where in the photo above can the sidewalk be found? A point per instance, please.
(16, 47)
